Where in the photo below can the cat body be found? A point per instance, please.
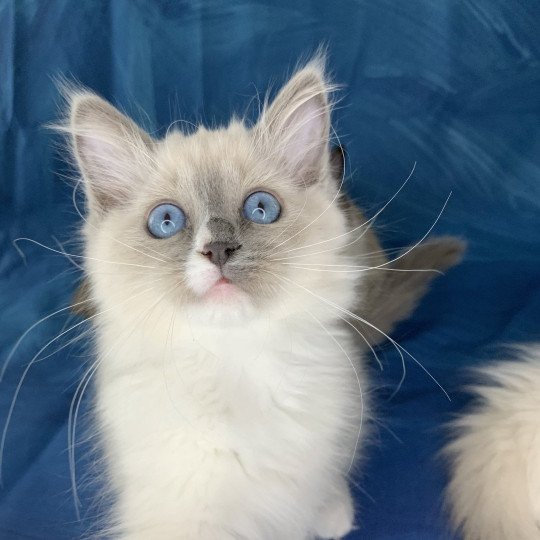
(494, 489)
(212, 430)
(225, 271)
(227, 401)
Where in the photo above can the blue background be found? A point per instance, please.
(452, 85)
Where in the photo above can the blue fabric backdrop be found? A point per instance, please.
(452, 85)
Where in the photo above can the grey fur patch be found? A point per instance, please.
(221, 230)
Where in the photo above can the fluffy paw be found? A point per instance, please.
(336, 519)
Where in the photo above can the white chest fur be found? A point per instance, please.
(239, 432)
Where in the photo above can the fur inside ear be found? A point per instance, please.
(112, 152)
(297, 123)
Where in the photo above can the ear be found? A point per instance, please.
(296, 125)
(111, 151)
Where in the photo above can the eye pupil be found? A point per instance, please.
(167, 217)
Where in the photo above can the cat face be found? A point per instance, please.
(226, 223)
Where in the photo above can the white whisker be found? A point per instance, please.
(74, 411)
(71, 434)
(67, 255)
(398, 347)
(390, 261)
(73, 255)
(365, 340)
(415, 245)
(74, 200)
(317, 218)
(362, 269)
(357, 380)
(359, 389)
(366, 256)
(37, 323)
(34, 360)
(371, 220)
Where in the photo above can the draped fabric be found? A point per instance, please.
(451, 86)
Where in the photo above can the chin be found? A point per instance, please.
(223, 303)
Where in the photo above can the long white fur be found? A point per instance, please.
(223, 421)
(494, 490)
(226, 433)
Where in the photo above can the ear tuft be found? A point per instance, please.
(297, 123)
(111, 151)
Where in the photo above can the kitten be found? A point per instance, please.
(494, 489)
(231, 401)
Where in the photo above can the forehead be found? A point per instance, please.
(212, 172)
(209, 163)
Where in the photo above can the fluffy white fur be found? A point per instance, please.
(494, 492)
(223, 432)
(235, 415)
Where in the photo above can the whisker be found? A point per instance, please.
(367, 256)
(406, 252)
(74, 200)
(74, 411)
(367, 222)
(343, 175)
(71, 433)
(35, 359)
(398, 347)
(363, 269)
(375, 355)
(65, 345)
(390, 261)
(357, 380)
(67, 255)
(37, 323)
(318, 217)
(18, 388)
(359, 389)
(73, 255)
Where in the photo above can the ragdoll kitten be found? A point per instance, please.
(494, 490)
(225, 271)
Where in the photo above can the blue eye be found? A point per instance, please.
(261, 207)
(165, 220)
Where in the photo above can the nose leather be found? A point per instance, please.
(219, 252)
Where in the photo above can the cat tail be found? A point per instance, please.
(494, 488)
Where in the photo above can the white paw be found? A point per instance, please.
(336, 519)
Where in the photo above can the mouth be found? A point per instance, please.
(223, 283)
(223, 290)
